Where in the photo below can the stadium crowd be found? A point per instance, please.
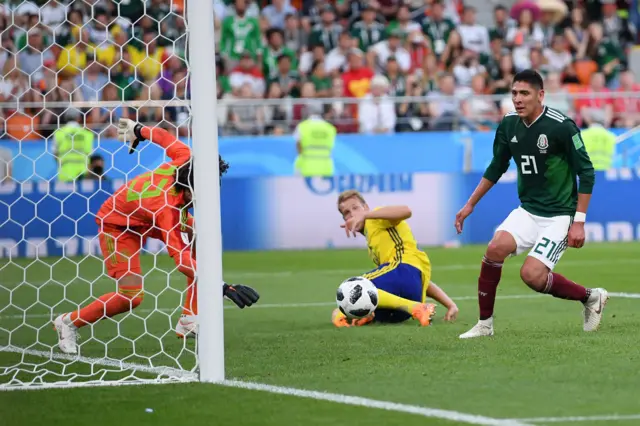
(344, 60)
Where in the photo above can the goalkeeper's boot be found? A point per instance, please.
(339, 319)
(481, 329)
(423, 312)
(187, 327)
(67, 334)
(359, 322)
(593, 308)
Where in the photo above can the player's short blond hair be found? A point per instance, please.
(350, 193)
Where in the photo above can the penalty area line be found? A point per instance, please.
(455, 416)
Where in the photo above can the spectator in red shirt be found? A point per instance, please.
(601, 105)
(358, 77)
(627, 110)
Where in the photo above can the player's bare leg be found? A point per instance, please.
(500, 247)
(541, 279)
(187, 326)
(128, 297)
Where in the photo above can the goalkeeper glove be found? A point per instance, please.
(129, 130)
(241, 295)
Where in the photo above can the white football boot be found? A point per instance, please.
(67, 334)
(594, 307)
(187, 327)
(481, 329)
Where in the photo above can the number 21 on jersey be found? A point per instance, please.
(528, 165)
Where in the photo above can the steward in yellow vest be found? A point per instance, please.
(315, 141)
(73, 147)
(600, 144)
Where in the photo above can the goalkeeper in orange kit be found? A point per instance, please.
(152, 205)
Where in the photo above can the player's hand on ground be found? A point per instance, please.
(354, 224)
(461, 216)
(129, 131)
(241, 295)
(576, 235)
(452, 313)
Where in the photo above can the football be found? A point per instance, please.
(357, 297)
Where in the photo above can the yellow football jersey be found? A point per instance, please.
(389, 243)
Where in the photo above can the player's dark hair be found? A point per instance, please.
(531, 77)
(224, 166)
(184, 174)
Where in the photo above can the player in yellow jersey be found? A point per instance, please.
(403, 273)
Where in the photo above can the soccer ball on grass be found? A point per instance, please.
(357, 297)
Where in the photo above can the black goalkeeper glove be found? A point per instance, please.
(129, 131)
(241, 295)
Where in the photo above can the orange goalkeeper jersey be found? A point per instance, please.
(150, 205)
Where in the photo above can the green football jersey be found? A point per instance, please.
(367, 35)
(239, 35)
(549, 155)
(438, 32)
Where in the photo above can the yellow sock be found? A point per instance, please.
(387, 300)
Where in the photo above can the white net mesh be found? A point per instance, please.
(71, 70)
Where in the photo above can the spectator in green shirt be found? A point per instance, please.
(321, 81)
(368, 31)
(608, 55)
(327, 31)
(288, 79)
(240, 33)
(275, 48)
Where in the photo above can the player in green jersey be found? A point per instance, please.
(549, 154)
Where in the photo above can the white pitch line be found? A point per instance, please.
(455, 416)
(354, 271)
(603, 418)
(300, 393)
(452, 267)
(312, 305)
(263, 306)
(120, 365)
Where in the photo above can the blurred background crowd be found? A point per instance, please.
(368, 66)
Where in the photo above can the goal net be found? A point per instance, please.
(71, 70)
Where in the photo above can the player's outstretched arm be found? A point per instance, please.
(392, 214)
(481, 190)
(583, 167)
(134, 133)
(437, 294)
(499, 165)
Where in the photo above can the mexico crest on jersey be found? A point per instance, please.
(543, 143)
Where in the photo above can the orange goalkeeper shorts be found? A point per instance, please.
(121, 250)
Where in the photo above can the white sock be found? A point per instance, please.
(487, 322)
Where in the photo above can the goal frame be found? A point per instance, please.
(204, 133)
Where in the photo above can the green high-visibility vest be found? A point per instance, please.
(317, 138)
(74, 146)
(600, 145)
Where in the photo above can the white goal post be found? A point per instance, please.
(50, 256)
(209, 227)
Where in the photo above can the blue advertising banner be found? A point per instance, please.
(257, 213)
(42, 219)
(274, 156)
(264, 156)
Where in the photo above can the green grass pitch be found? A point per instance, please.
(539, 364)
